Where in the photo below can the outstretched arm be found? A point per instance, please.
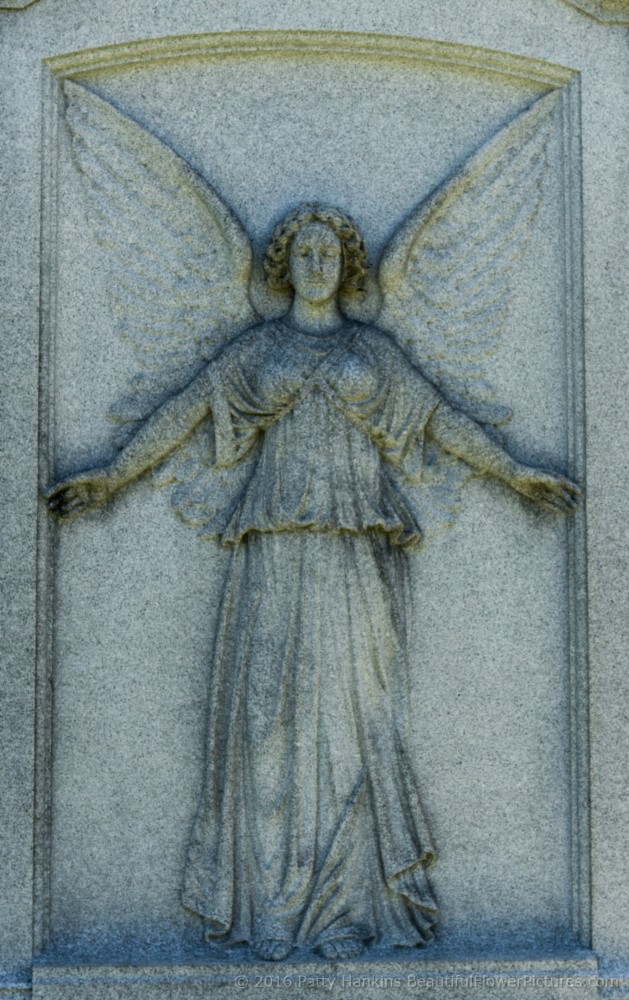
(164, 431)
(463, 437)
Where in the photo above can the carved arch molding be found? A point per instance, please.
(607, 11)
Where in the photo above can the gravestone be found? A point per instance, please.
(356, 719)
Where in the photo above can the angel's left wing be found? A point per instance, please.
(445, 276)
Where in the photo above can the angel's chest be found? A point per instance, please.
(352, 378)
(283, 378)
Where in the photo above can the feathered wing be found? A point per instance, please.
(179, 266)
(445, 287)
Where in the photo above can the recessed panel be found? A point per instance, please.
(137, 593)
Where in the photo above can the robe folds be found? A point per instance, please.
(310, 826)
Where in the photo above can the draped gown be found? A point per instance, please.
(310, 826)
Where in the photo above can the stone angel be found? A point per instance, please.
(320, 448)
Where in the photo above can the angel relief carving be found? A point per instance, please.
(321, 450)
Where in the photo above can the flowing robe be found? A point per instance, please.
(310, 826)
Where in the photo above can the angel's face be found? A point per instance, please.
(316, 262)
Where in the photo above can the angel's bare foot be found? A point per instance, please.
(272, 949)
(341, 947)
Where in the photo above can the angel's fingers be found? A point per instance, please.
(54, 498)
(55, 503)
(549, 501)
(571, 503)
(64, 510)
(70, 501)
(66, 491)
(78, 502)
(571, 486)
(58, 511)
(555, 495)
(65, 497)
(566, 488)
(562, 506)
(568, 495)
(558, 496)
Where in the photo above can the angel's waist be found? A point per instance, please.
(321, 504)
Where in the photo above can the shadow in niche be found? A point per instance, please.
(161, 944)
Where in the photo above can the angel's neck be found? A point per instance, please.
(315, 317)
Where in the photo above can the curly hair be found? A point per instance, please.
(276, 259)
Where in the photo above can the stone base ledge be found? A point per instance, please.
(544, 978)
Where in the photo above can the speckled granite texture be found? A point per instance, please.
(518, 690)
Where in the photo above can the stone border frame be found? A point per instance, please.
(78, 65)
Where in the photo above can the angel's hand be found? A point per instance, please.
(547, 489)
(80, 493)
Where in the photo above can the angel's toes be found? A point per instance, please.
(272, 949)
(340, 948)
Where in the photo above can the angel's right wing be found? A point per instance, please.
(179, 266)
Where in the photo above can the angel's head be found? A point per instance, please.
(318, 249)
